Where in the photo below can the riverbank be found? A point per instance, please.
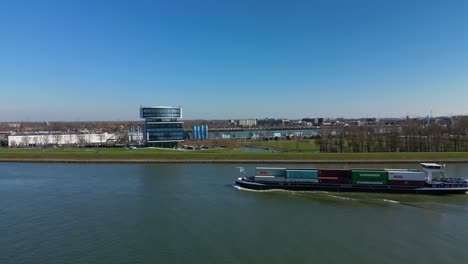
(112, 155)
(109, 161)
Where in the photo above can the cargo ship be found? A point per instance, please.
(431, 180)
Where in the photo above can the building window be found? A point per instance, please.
(161, 124)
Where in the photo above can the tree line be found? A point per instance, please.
(411, 136)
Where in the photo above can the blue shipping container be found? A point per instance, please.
(302, 174)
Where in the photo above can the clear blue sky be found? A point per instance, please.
(101, 60)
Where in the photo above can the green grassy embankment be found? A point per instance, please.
(160, 155)
(287, 145)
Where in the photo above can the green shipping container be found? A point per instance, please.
(367, 175)
(369, 181)
(302, 174)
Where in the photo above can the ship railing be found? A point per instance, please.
(449, 185)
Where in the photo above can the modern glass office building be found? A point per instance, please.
(161, 127)
(161, 112)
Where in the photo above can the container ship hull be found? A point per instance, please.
(356, 180)
(248, 184)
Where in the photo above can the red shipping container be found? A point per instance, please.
(335, 180)
(408, 183)
(335, 173)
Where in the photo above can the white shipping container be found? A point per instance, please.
(262, 171)
(406, 176)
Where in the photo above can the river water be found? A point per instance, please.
(191, 213)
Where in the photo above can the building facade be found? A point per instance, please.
(247, 122)
(200, 132)
(269, 122)
(59, 139)
(161, 126)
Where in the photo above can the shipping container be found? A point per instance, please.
(302, 174)
(335, 173)
(301, 169)
(262, 171)
(369, 175)
(335, 180)
(269, 179)
(369, 181)
(409, 183)
(406, 176)
(302, 180)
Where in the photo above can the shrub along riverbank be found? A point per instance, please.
(218, 155)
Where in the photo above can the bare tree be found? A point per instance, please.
(123, 138)
(380, 130)
(461, 130)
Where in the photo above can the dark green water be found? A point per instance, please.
(191, 213)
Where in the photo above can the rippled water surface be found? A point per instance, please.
(191, 213)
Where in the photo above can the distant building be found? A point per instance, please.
(391, 121)
(269, 122)
(200, 132)
(135, 134)
(247, 122)
(4, 134)
(444, 121)
(297, 122)
(369, 121)
(314, 121)
(42, 139)
(161, 126)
